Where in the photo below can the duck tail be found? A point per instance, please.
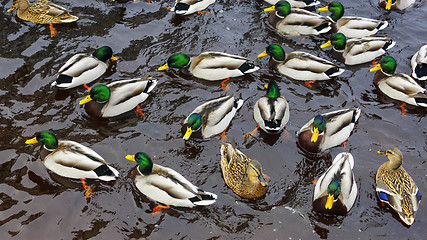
(238, 103)
(334, 71)
(382, 25)
(356, 115)
(151, 84)
(272, 126)
(63, 79)
(324, 27)
(203, 198)
(106, 173)
(389, 44)
(310, 3)
(421, 99)
(248, 68)
(420, 72)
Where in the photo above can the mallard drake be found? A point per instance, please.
(82, 69)
(396, 188)
(118, 97)
(271, 111)
(336, 190)
(396, 4)
(165, 185)
(212, 117)
(211, 66)
(71, 159)
(287, 21)
(398, 86)
(297, 3)
(419, 64)
(300, 65)
(357, 50)
(328, 130)
(186, 7)
(42, 12)
(243, 175)
(352, 27)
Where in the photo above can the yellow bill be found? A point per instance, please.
(388, 5)
(384, 153)
(11, 9)
(31, 141)
(376, 68)
(270, 9)
(329, 201)
(325, 45)
(130, 157)
(85, 100)
(164, 67)
(323, 9)
(315, 135)
(188, 133)
(114, 58)
(263, 54)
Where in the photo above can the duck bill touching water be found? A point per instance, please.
(42, 12)
(396, 187)
(165, 185)
(336, 190)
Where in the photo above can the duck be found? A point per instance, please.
(297, 3)
(328, 130)
(71, 159)
(294, 21)
(419, 64)
(398, 86)
(271, 111)
(243, 175)
(187, 7)
(396, 187)
(336, 190)
(352, 27)
(117, 97)
(211, 118)
(83, 69)
(300, 66)
(396, 5)
(165, 185)
(42, 12)
(211, 66)
(357, 50)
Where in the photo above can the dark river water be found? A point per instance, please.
(37, 204)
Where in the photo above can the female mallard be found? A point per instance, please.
(287, 21)
(71, 159)
(352, 27)
(82, 69)
(211, 66)
(300, 65)
(357, 50)
(398, 86)
(42, 12)
(165, 185)
(271, 111)
(396, 188)
(212, 117)
(186, 7)
(328, 130)
(419, 64)
(297, 3)
(396, 4)
(336, 190)
(243, 175)
(118, 97)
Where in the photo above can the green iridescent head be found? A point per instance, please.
(283, 8)
(276, 52)
(178, 60)
(194, 121)
(47, 138)
(103, 53)
(145, 164)
(338, 40)
(388, 64)
(334, 188)
(273, 90)
(100, 93)
(337, 10)
(319, 126)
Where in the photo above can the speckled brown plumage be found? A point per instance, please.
(42, 12)
(243, 175)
